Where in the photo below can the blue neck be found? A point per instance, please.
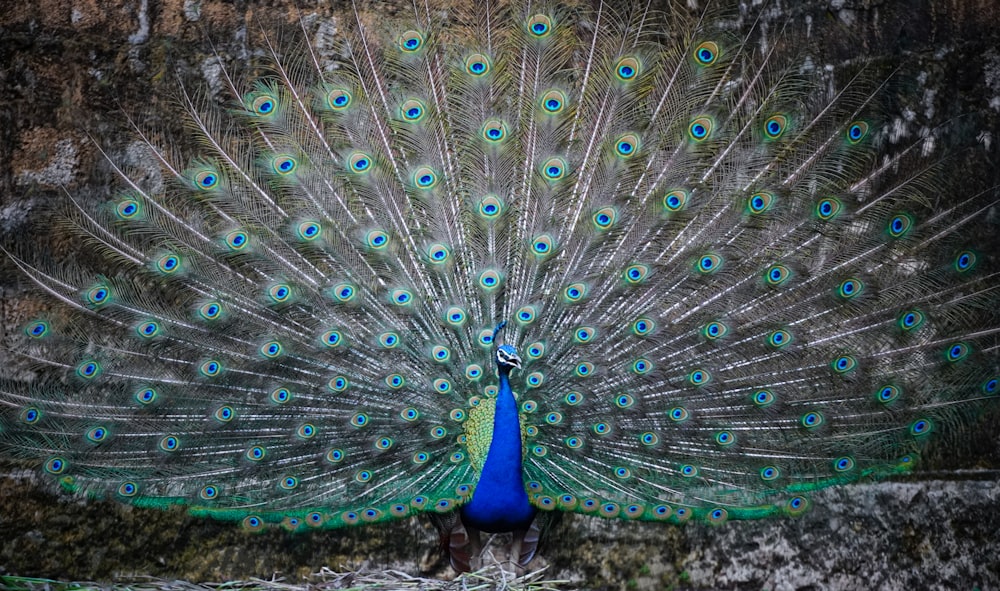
(499, 502)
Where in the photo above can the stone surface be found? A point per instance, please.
(70, 70)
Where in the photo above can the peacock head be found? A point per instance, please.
(507, 357)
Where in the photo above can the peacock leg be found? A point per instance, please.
(463, 545)
(525, 544)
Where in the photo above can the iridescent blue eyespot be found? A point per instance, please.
(170, 443)
(490, 207)
(775, 126)
(279, 293)
(899, 225)
(850, 288)
(811, 420)
(263, 104)
(309, 230)
(699, 377)
(411, 41)
(844, 364)
(709, 263)
(210, 368)
(991, 386)
(360, 162)
(643, 326)
(145, 396)
(128, 489)
(760, 202)
(395, 381)
(206, 179)
(706, 53)
(678, 414)
(958, 351)
(128, 209)
(280, 395)
(920, 427)
(700, 128)
(97, 434)
(777, 274)
(168, 264)
(425, 177)
(689, 471)
(97, 296)
(605, 218)
(627, 145)
(887, 394)
(763, 398)
(271, 349)
(494, 130)
(489, 279)
(148, 330)
(553, 102)
(236, 240)
(284, 165)
(210, 311)
(376, 239)
(575, 292)
(857, 132)
(542, 245)
(675, 200)
(554, 169)
(627, 69)
(725, 438)
(224, 414)
(642, 366)
(88, 369)
(412, 110)
(769, 473)
(338, 383)
(338, 99)
(779, 338)
(55, 465)
(37, 329)
(965, 261)
(539, 25)
(828, 208)
(477, 64)
(843, 464)
(635, 274)
(714, 330)
(30, 415)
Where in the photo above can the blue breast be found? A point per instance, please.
(500, 503)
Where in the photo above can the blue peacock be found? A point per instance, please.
(505, 260)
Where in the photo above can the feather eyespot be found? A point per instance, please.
(412, 110)
(411, 41)
(554, 169)
(760, 202)
(857, 131)
(489, 279)
(605, 217)
(627, 69)
(425, 177)
(775, 126)
(828, 208)
(553, 101)
(676, 200)
(700, 128)
(477, 65)
(539, 25)
(542, 245)
(627, 145)
(490, 207)
(338, 99)
(706, 53)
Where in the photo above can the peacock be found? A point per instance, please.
(489, 261)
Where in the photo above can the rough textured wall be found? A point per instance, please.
(69, 69)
